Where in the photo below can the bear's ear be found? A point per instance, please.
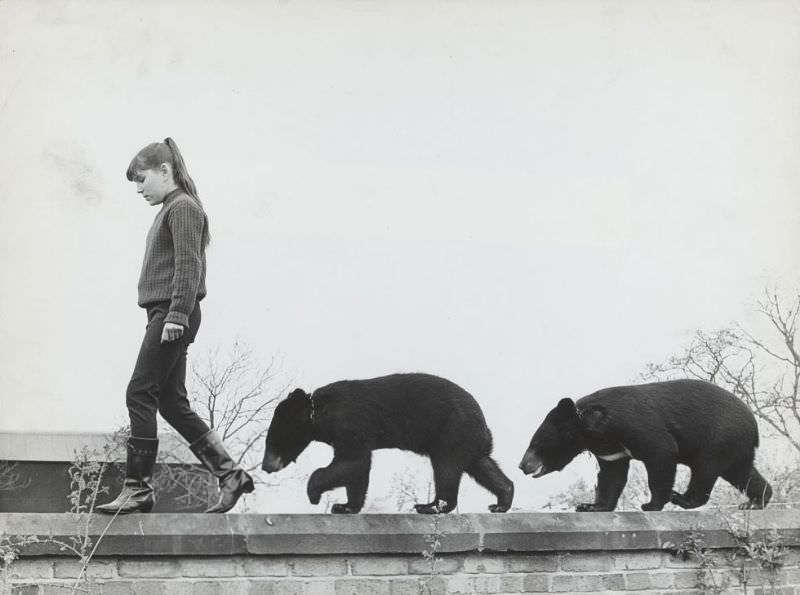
(298, 394)
(566, 407)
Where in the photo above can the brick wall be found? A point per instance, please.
(186, 554)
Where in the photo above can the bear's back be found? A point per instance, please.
(694, 412)
(400, 410)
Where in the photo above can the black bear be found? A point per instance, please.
(691, 422)
(418, 412)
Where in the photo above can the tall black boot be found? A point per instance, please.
(233, 481)
(137, 493)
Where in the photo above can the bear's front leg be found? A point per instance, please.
(344, 471)
(660, 479)
(356, 494)
(611, 480)
(316, 485)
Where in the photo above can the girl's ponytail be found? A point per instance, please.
(182, 177)
(185, 181)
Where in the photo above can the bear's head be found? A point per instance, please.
(557, 441)
(289, 431)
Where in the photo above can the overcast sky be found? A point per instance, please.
(533, 199)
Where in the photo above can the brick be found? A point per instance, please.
(512, 583)
(685, 579)
(536, 583)
(177, 588)
(635, 581)
(95, 569)
(24, 589)
(575, 582)
(348, 586)
(460, 583)
(485, 584)
(613, 582)
(473, 584)
(443, 565)
(378, 565)
(148, 588)
(149, 568)
(776, 591)
(218, 587)
(209, 568)
(26, 569)
(483, 565)
(287, 587)
(116, 588)
(406, 586)
(265, 566)
(531, 563)
(660, 580)
(259, 587)
(585, 562)
(319, 587)
(319, 566)
(637, 561)
(54, 588)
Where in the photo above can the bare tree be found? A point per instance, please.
(762, 372)
(409, 487)
(231, 393)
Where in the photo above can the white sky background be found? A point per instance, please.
(531, 199)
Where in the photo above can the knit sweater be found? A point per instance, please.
(174, 267)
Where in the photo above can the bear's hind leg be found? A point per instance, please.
(699, 489)
(660, 479)
(611, 480)
(486, 473)
(746, 479)
(447, 473)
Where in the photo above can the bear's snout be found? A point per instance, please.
(532, 465)
(271, 463)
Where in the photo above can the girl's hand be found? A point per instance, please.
(171, 332)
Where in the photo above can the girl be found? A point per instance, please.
(171, 285)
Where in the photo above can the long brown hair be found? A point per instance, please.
(153, 155)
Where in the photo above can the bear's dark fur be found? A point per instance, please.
(691, 422)
(418, 412)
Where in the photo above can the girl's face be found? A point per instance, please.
(154, 184)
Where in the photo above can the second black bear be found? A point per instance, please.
(418, 412)
(691, 422)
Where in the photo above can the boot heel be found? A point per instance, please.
(248, 487)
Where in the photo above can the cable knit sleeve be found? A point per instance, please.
(186, 221)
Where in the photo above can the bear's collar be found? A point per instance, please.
(623, 454)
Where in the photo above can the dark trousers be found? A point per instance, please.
(158, 383)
